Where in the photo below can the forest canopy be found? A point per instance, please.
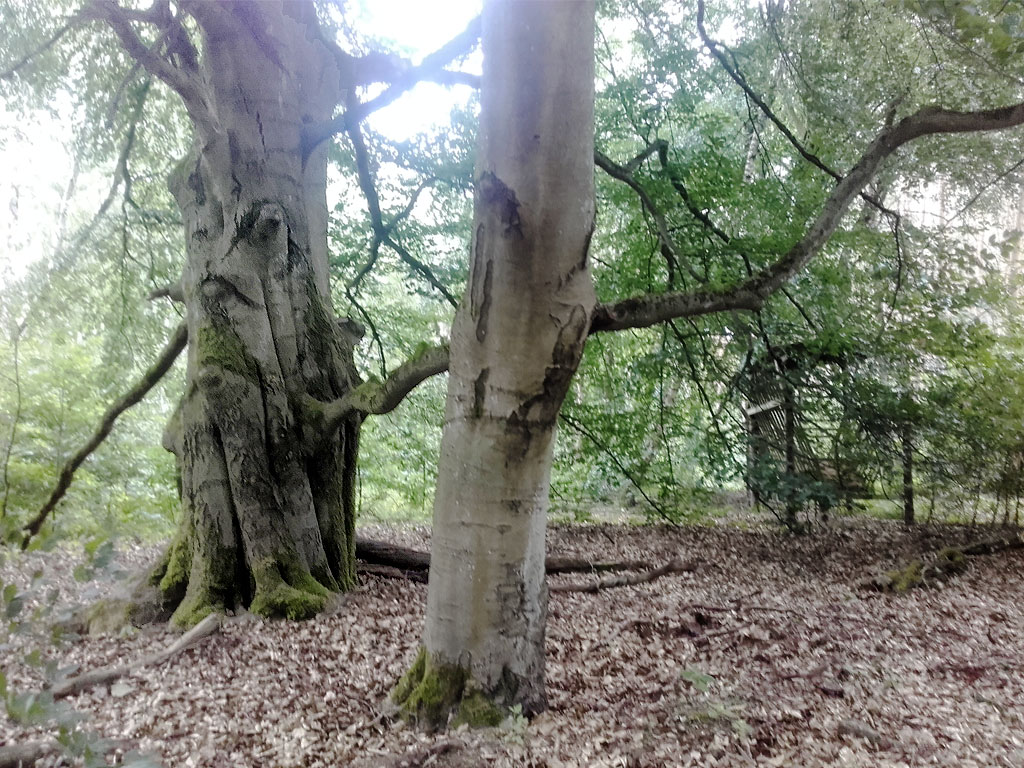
(922, 303)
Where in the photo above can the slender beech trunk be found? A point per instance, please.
(267, 521)
(516, 343)
(907, 440)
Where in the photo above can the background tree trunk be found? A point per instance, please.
(268, 515)
(516, 343)
(907, 440)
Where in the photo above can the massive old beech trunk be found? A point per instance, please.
(267, 431)
(268, 514)
(516, 342)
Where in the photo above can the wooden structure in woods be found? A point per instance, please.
(784, 456)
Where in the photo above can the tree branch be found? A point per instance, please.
(73, 21)
(624, 175)
(430, 69)
(134, 395)
(644, 311)
(423, 269)
(650, 309)
(185, 84)
(373, 396)
(83, 682)
(173, 291)
(382, 233)
(30, 753)
(628, 580)
(734, 73)
(622, 467)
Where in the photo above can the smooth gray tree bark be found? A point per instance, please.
(516, 343)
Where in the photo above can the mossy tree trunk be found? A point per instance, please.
(267, 510)
(516, 343)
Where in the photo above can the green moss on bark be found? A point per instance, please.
(289, 602)
(171, 574)
(907, 578)
(285, 588)
(951, 561)
(221, 347)
(431, 692)
(194, 608)
(478, 711)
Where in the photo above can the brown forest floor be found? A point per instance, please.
(766, 655)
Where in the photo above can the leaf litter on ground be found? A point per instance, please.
(766, 655)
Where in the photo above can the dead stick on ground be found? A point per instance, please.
(27, 755)
(672, 566)
(208, 626)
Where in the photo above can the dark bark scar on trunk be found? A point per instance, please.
(498, 196)
(484, 306)
(479, 392)
(565, 358)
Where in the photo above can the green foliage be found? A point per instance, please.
(657, 422)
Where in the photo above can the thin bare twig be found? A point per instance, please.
(621, 467)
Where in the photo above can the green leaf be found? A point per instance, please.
(697, 678)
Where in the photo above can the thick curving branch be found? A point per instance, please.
(187, 84)
(651, 309)
(750, 294)
(374, 396)
(149, 379)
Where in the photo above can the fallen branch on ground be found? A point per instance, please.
(27, 755)
(390, 572)
(381, 553)
(626, 580)
(19, 755)
(208, 626)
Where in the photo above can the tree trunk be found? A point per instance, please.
(516, 343)
(267, 511)
(907, 439)
(792, 507)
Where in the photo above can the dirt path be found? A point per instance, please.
(764, 656)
